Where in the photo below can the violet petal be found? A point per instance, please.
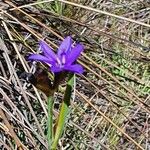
(74, 68)
(65, 46)
(48, 52)
(56, 69)
(39, 57)
(74, 54)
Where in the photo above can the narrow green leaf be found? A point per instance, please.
(63, 111)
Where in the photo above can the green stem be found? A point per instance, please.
(50, 121)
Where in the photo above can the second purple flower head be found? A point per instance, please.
(65, 58)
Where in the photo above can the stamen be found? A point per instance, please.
(58, 61)
(63, 59)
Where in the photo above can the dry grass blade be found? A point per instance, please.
(11, 131)
(105, 13)
(138, 145)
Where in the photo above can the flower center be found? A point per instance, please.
(61, 61)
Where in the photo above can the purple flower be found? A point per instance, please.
(65, 58)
